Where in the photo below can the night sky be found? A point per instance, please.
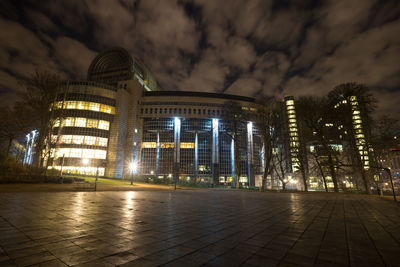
(247, 47)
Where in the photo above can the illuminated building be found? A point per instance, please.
(294, 144)
(120, 118)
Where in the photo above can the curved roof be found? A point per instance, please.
(112, 65)
(116, 64)
(199, 94)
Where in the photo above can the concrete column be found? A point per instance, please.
(158, 154)
(215, 151)
(196, 157)
(233, 163)
(177, 147)
(250, 154)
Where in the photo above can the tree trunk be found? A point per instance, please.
(303, 174)
(322, 174)
(9, 146)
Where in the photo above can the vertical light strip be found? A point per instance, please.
(215, 146)
(196, 156)
(158, 154)
(233, 162)
(293, 133)
(249, 150)
(177, 140)
(358, 132)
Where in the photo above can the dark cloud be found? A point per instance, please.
(252, 48)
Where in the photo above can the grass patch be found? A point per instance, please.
(105, 181)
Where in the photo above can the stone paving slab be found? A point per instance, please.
(195, 228)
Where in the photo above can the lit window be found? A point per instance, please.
(90, 140)
(94, 106)
(75, 153)
(149, 145)
(105, 125)
(167, 145)
(100, 154)
(187, 145)
(91, 123)
(77, 139)
(69, 122)
(103, 141)
(80, 122)
(88, 153)
(70, 104)
(290, 103)
(66, 139)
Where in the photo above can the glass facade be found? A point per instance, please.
(204, 149)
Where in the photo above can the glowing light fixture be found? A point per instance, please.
(133, 166)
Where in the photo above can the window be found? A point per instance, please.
(149, 144)
(91, 123)
(105, 125)
(66, 139)
(88, 153)
(94, 106)
(80, 122)
(68, 122)
(90, 140)
(84, 105)
(77, 139)
(103, 141)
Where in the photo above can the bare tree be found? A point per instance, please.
(14, 123)
(40, 96)
(279, 164)
(268, 123)
(344, 113)
(235, 127)
(314, 113)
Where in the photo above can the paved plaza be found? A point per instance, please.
(197, 227)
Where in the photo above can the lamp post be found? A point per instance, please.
(391, 182)
(86, 162)
(61, 169)
(133, 167)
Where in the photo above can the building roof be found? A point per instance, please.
(199, 94)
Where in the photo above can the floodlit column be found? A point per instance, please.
(196, 157)
(158, 154)
(177, 146)
(215, 151)
(250, 160)
(233, 162)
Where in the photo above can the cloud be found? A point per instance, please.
(22, 51)
(249, 48)
(73, 56)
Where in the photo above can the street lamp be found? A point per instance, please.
(133, 167)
